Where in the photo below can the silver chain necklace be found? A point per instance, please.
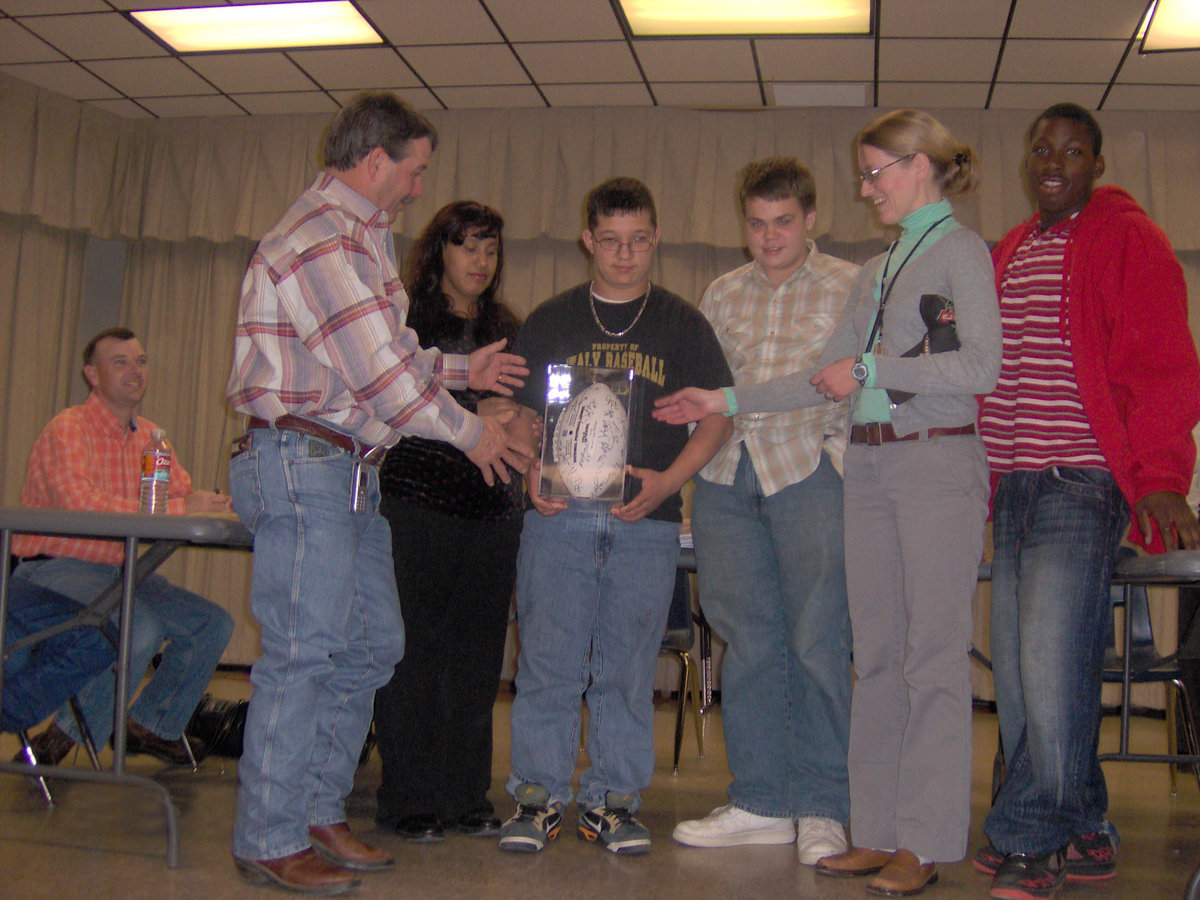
(596, 318)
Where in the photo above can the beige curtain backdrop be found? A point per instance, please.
(191, 196)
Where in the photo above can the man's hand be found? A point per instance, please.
(689, 405)
(1175, 520)
(547, 506)
(203, 503)
(497, 450)
(491, 370)
(835, 380)
(656, 488)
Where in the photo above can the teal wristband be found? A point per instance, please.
(731, 399)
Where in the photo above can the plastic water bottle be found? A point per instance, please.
(156, 474)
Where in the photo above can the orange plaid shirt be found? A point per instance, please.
(87, 459)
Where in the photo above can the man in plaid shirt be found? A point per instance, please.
(90, 457)
(767, 522)
(329, 375)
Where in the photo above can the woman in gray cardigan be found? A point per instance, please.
(919, 339)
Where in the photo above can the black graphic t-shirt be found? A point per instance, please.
(671, 346)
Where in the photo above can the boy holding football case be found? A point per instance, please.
(594, 577)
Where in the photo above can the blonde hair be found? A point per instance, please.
(905, 132)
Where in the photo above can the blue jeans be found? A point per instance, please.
(773, 585)
(324, 595)
(592, 599)
(38, 678)
(1056, 534)
(190, 631)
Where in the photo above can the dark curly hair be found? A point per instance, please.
(429, 308)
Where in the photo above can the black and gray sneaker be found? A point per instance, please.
(535, 823)
(614, 826)
(1024, 877)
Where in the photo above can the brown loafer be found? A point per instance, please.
(854, 862)
(306, 872)
(140, 739)
(338, 844)
(903, 876)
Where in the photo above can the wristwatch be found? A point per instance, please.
(860, 372)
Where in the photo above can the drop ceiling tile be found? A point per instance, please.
(1148, 96)
(17, 45)
(1115, 19)
(94, 36)
(64, 78)
(979, 18)
(816, 59)
(145, 77)
(579, 62)
(1039, 96)
(251, 72)
(1161, 68)
(422, 22)
(914, 59)
(285, 103)
(1065, 61)
(487, 64)
(418, 97)
(894, 95)
(126, 109)
(597, 94)
(360, 68)
(185, 107)
(696, 60)
(490, 96)
(713, 95)
(556, 20)
(48, 7)
(817, 93)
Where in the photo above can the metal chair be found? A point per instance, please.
(678, 640)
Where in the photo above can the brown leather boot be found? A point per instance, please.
(306, 872)
(337, 843)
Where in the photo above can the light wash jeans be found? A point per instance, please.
(773, 586)
(1056, 534)
(190, 631)
(324, 594)
(592, 599)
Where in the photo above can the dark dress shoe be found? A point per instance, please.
(139, 739)
(424, 829)
(49, 748)
(337, 843)
(904, 875)
(854, 862)
(477, 824)
(306, 872)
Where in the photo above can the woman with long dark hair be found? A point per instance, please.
(454, 541)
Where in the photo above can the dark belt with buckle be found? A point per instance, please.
(351, 445)
(875, 433)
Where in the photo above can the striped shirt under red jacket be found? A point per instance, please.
(1034, 419)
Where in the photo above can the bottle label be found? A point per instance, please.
(156, 466)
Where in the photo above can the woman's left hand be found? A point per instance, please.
(835, 380)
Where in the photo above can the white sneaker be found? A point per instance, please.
(728, 826)
(817, 838)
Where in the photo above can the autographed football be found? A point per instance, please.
(589, 441)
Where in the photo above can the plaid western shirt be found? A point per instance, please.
(321, 329)
(766, 332)
(85, 458)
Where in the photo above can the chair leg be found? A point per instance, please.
(84, 732)
(1189, 724)
(1171, 698)
(680, 706)
(27, 750)
(697, 709)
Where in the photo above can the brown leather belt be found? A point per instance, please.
(337, 439)
(875, 433)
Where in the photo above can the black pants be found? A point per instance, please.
(433, 721)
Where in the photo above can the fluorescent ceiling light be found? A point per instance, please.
(812, 94)
(1172, 25)
(262, 25)
(657, 18)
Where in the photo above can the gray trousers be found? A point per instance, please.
(914, 520)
